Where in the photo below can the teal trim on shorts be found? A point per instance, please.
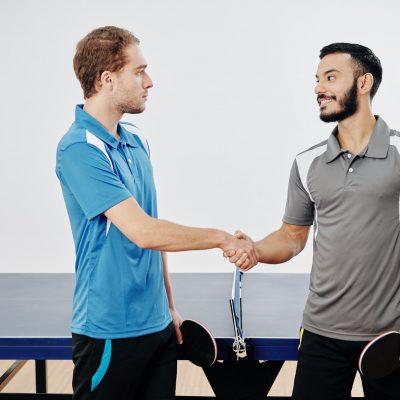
(105, 362)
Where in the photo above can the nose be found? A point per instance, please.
(319, 88)
(147, 82)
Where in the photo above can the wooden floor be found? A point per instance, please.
(191, 379)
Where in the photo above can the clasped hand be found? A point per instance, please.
(241, 251)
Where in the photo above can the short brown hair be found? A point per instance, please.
(101, 50)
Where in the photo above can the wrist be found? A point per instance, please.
(223, 239)
(258, 248)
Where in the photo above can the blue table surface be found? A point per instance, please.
(36, 309)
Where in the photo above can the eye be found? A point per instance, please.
(331, 77)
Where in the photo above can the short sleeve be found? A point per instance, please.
(87, 173)
(299, 207)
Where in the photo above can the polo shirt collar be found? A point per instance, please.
(94, 126)
(126, 136)
(333, 149)
(378, 144)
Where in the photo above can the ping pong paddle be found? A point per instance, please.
(381, 356)
(199, 345)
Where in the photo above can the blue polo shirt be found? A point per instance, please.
(120, 289)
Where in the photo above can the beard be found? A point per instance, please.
(131, 108)
(348, 104)
(128, 104)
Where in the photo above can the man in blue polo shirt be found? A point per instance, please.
(124, 319)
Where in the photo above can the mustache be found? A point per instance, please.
(322, 97)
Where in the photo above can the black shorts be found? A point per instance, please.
(327, 367)
(140, 368)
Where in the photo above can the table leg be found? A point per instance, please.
(40, 373)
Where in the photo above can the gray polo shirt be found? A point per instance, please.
(353, 202)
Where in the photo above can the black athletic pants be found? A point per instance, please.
(326, 369)
(140, 368)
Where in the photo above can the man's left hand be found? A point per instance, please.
(177, 320)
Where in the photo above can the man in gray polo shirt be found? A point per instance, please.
(347, 187)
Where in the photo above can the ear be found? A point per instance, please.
(365, 83)
(105, 81)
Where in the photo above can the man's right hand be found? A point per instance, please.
(241, 251)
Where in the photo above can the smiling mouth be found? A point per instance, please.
(323, 101)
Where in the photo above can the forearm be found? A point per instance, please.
(167, 283)
(157, 234)
(176, 318)
(280, 246)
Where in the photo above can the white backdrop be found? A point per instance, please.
(232, 104)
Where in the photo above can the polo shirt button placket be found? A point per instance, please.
(127, 157)
(349, 161)
(350, 170)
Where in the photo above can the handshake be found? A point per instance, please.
(241, 251)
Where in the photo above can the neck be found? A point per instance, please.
(354, 132)
(103, 113)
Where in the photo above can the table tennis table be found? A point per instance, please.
(36, 309)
